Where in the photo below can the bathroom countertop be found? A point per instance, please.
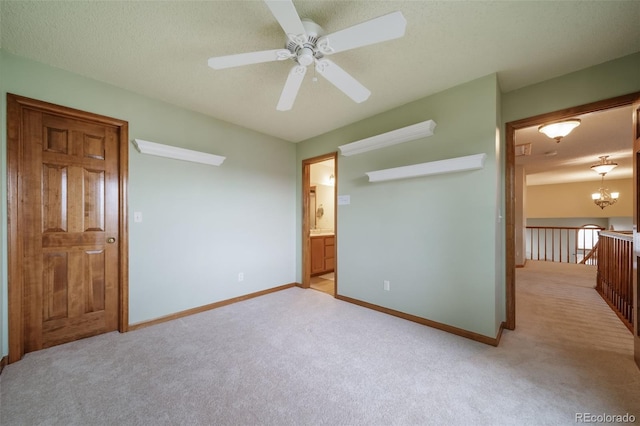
(322, 234)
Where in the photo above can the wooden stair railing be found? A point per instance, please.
(564, 244)
(592, 257)
(614, 281)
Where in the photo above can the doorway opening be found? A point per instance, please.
(319, 236)
(513, 214)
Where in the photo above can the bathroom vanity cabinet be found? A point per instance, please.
(322, 254)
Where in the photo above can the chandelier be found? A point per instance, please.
(559, 129)
(603, 198)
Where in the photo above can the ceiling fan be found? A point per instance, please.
(307, 44)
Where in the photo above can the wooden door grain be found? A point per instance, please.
(70, 239)
(317, 255)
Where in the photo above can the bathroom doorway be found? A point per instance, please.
(319, 223)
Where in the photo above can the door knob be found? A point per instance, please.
(111, 240)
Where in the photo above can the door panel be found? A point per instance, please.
(69, 182)
(54, 277)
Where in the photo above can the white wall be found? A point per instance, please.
(620, 223)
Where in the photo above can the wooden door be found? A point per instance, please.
(69, 236)
(636, 223)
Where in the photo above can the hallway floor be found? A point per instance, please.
(324, 283)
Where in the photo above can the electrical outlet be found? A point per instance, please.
(240, 276)
(387, 285)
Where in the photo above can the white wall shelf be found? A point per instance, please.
(451, 165)
(404, 134)
(168, 151)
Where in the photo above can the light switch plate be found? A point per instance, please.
(344, 200)
(137, 217)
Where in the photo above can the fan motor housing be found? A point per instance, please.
(305, 50)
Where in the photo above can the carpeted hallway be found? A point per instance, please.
(298, 357)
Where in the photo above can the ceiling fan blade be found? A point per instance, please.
(221, 62)
(342, 80)
(291, 87)
(285, 13)
(387, 27)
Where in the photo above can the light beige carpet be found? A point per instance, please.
(297, 357)
(557, 303)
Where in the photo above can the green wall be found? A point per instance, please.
(434, 237)
(603, 81)
(439, 240)
(202, 225)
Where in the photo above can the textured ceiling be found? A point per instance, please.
(160, 49)
(600, 133)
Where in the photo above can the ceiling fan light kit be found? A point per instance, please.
(306, 44)
(559, 129)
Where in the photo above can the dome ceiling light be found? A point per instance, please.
(559, 129)
(604, 166)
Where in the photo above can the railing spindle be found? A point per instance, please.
(548, 247)
(615, 273)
